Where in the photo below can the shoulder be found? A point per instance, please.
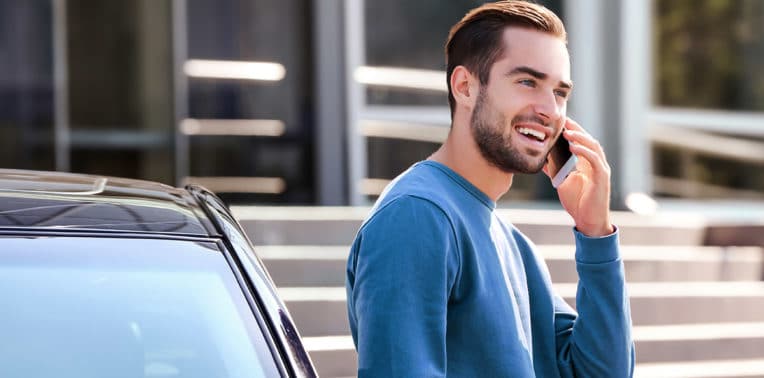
(423, 185)
(407, 211)
(407, 229)
(408, 223)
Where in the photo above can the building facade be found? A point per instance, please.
(322, 102)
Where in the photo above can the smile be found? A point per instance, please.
(538, 135)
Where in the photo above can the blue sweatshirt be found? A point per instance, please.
(438, 285)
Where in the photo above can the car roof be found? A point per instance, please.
(37, 200)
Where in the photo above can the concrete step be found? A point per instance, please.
(751, 368)
(292, 265)
(322, 311)
(338, 225)
(699, 342)
(335, 356)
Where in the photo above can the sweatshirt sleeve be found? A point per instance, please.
(597, 341)
(401, 269)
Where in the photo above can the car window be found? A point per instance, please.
(109, 307)
(115, 213)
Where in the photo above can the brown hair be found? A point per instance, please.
(476, 41)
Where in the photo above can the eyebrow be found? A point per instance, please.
(538, 75)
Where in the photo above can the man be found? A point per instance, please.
(437, 283)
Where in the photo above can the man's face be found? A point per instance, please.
(520, 112)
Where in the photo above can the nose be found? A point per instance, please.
(548, 108)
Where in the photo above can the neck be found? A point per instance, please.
(461, 153)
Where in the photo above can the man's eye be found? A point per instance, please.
(528, 83)
(561, 94)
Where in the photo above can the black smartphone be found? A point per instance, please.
(561, 161)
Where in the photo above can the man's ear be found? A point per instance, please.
(464, 87)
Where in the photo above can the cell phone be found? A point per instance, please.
(561, 161)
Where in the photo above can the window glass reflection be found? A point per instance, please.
(708, 58)
(26, 85)
(257, 127)
(710, 54)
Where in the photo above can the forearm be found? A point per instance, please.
(599, 341)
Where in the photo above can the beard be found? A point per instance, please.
(487, 126)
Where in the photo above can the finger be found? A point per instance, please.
(570, 124)
(598, 165)
(586, 140)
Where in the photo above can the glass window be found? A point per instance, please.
(276, 113)
(89, 307)
(26, 85)
(710, 54)
(685, 173)
(707, 66)
(390, 26)
(120, 89)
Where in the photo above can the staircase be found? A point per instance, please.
(697, 311)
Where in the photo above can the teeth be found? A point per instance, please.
(536, 134)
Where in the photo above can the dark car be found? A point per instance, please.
(108, 277)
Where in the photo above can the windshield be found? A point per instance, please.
(100, 307)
